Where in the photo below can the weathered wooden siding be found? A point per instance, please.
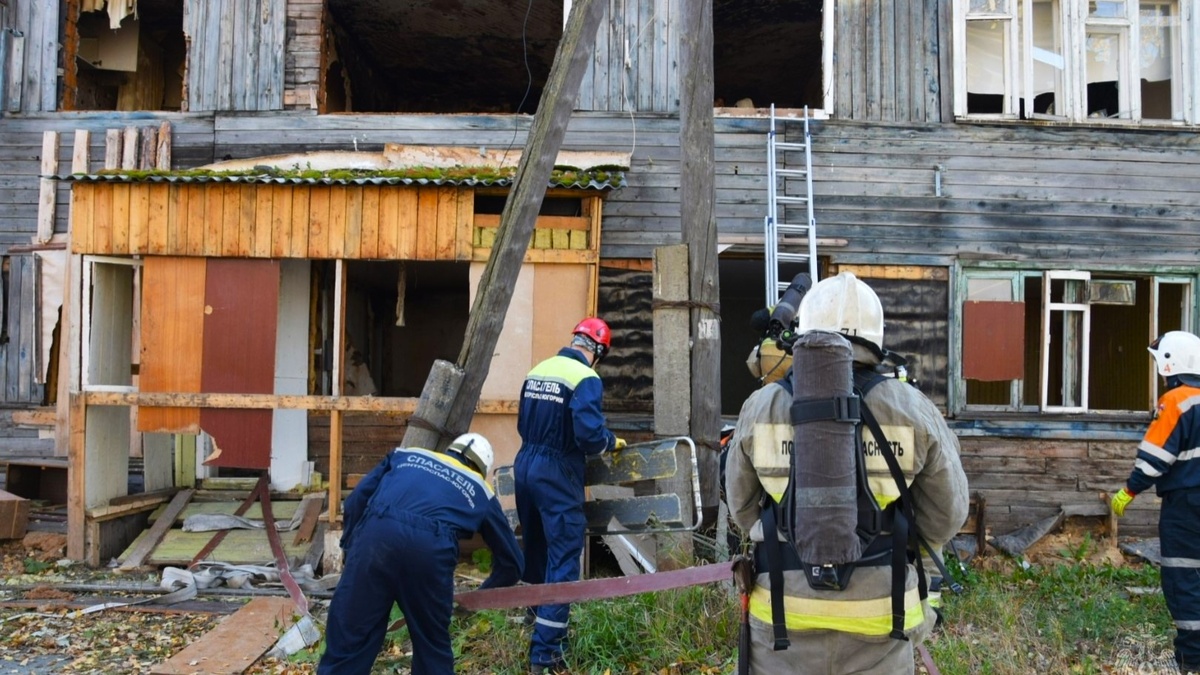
(635, 65)
(19, 341)
(302, 68)
(235, 57)
(21, 151)
(31, 80)
(1011, 193)
(888, 65)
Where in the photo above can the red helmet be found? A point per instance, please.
(598, 332)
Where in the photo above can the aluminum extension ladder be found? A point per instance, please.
(777, 223)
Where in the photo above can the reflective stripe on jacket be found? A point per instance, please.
(1168, 457)
(560, 409)
(758, 464)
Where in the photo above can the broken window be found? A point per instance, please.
(119, 59)
(1073, 59)
(767, 52)
(422, 57)
(1065, 341)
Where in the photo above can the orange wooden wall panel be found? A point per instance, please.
(318, 222)
(139, 220)
(82, 198)
(120, 219)
(337, 221)
(354, 224)
(158, 199)
(214, 218)
(389, 223)
(407, 212)
(171, 338)
(466, 225)
(102, 221)
(447, 224)
(264, 199)
(196, 227)
(281, 219)
(300, 225)
(427, 208)
(368, 238)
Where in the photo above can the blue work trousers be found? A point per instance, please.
(1179, 531)
(400, 558)
(550, 507)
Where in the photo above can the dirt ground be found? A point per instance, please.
(42, 632)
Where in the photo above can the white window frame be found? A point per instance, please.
(1017, 278)
(1072, 333)
(1072, 34)
(89, 263)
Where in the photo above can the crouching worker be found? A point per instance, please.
(832, 622)
(402, 524)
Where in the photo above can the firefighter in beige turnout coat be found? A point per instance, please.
(838, 632)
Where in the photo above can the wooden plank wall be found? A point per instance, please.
(20, 159)
(35, 57)
(887, 65)
(636, 61)
(302, 74)
(19, 346)
(273, 221)
(236, 55)
(1018, 193)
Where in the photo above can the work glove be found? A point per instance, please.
(1120, 500)
(620, 445)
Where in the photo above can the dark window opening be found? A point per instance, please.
(469, 56)
(400, 317)
(137, 66)
(1103, 100)
(551, 206)
(767, 51)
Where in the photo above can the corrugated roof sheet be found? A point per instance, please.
(615, 180)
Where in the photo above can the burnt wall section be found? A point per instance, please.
(628, 371)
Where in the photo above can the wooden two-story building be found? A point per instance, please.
(1019, 180)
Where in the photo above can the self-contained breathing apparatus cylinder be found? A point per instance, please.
(823, 515)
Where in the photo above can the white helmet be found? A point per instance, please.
(1176, 353)
(843, 304)
(476, 449)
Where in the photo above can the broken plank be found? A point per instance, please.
(311, 507)
(152, 537)
(236, 643)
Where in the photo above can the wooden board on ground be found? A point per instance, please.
(151, 537)
(240, 547)
(236, 643)
(283, 510)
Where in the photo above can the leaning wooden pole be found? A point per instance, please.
(439, 418)
(697, 193)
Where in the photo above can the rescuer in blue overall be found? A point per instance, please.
(402, 524)
(1166, 460)
(560, 423)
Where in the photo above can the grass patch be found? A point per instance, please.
(1071, 617)
(1065, 616)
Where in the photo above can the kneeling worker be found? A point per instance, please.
(402, 524)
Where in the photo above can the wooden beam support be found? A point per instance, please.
(382, 404)
(520, 212)
(47, 187)
(697, 195)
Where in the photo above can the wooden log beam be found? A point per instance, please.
(697, 195)
(518, 218)
(382, 404)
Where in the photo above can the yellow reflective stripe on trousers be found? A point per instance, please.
(862, 617)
